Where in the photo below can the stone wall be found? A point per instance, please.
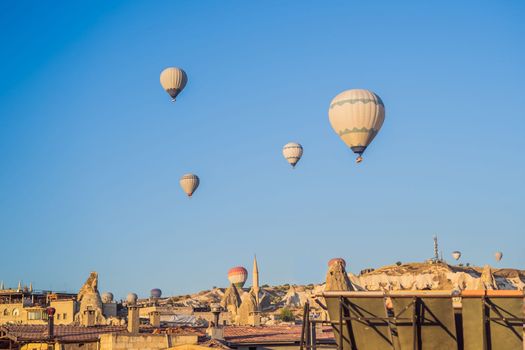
(45, 346)
(144, 341)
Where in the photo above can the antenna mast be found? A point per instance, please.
(436, 249)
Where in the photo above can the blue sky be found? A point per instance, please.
(91, 147)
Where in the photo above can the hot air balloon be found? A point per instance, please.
(189, 183)
(173, 80)
(292, 152)
(357, 116)
(498, 256)
(334, 260)
(155, 293)
(107, 297)
(456, 255)
(132, 298)
(237, 276)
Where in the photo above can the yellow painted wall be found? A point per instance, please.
(17, 313)
(65, 311)
(12, 313)
(113, 341)
(36, 346)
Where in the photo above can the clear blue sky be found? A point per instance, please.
(91, 147)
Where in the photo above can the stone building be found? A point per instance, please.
(26, 306)
(34, 337)
(90, 311)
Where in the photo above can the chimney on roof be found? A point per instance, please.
(50, 322)
(89, 318)
(133, 319)
(215, 330)
(154, 318)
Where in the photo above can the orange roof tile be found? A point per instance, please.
(65, 334)
(271, 334)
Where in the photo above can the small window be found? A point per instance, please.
(34, 315)
(16, 312)
(6, 312)
(58, 316)
(64, 316)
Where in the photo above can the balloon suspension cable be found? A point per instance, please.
(359, 159)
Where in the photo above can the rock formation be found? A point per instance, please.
(248, 312)
(231, 301)
(440, 276)
(292, 298)
(487, 280)
(337, 279)
(265, 300)
(90, 311)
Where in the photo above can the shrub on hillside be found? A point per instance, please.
(287, 315)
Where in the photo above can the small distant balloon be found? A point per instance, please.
(498, 256)
(293, 152)
(107, 297)
(173, 80)
(357, 116)
(132, 298)
(189, 183)
(456, 255)
(155, 293)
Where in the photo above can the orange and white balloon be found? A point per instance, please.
(238, 275)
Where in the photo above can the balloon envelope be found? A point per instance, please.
(292, 152)
(107, 297)
(189, 183)
(173, 80)
(238, 275)
(456, 255)
(155, 293)
(498, 256)
(357, 116)
(132, 298)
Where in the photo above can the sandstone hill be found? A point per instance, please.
(409, 276)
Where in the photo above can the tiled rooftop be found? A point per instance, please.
(232, 334)
(62, 333)
(271, 334)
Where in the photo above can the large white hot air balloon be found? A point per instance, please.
(173, 80)
(357, 116)
(189, 183)
(498, 256)
(456, 255)
(292, 152)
